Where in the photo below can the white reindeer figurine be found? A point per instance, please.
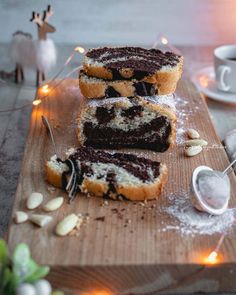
(40, 54)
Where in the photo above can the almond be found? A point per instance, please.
(53, 204)
(193, 150)
(67, 225)
(21, 217)
(192, 133)
(34, 200)
(40, 220)
(193, 142)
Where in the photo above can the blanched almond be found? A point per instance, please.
(193, 150)
(34, 200)
(193, 142)
(53, 204)
(66, 225)
(40, 220)
(21, 217)
(192, 133)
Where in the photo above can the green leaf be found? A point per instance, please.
(25, 268)
(23, 265)
(4, 271)
(57, 293)
(9, 282)
(22, 272)
(3, 252)
(6, 277)
(38, 274)
(21, 255)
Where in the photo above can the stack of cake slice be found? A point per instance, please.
(128, 98)
(129, 71)
(127, 102)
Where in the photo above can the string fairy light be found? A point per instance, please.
(98, 292)
(164, 41)
(213, 257)
(172, 48)
(79, 49)
(45, 88)
(37, 102)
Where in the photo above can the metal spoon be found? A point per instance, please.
(49, 129)
(71, 185)
(211, 189)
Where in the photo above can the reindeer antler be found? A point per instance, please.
(36, 18)
(47, 13)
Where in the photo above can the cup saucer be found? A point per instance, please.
(204, 80)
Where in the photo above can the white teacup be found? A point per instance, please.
(225, 67)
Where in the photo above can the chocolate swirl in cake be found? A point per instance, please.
(142, 61)
(137, 122)
(137, 166)
(153, 135)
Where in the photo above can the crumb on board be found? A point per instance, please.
(100, 218)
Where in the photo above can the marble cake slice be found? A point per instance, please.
(124, 63)
(98, 88)
(109, 175)
(137, 122)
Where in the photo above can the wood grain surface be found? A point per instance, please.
(116, 256)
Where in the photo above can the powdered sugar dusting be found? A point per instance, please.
(180, 135)
(165, 100)
(182, 112)
(101, 102)
(188, 221)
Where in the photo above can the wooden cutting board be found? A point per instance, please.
(129, 252)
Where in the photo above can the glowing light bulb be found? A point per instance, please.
(37, 102)
(164, 40)
(204, 80)
(98, 292)
(212, 258)
(45, 88)
(79, 49)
